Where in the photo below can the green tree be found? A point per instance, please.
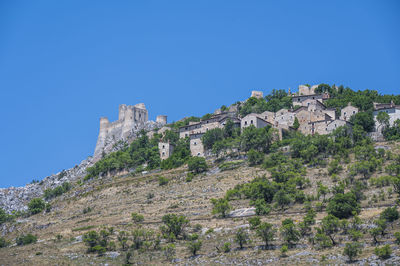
(266, 232)
(352, 250)
(174, 224)
(212, 136)
(259, 139)
(343, 205)
(390, 214)
(36, 205)
(384, 252)
(26, 239)
(197, 165)
(289, 232)
(221, 206)
(241, 237)
(383, 119)
(364, 119)
(330, 226)
(255, 157)
(194, 246)
(296, 123)
(282, 199)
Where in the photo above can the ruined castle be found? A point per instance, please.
(131, 120)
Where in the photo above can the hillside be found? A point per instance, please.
(290, 178)
(109, 202)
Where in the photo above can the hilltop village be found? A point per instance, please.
(309, 116)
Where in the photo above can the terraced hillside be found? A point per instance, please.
(101, 204)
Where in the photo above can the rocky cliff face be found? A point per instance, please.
(17, 198)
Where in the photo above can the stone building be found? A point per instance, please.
(257, 94)
(165, 149)
(390, 108)
(253, 119)
(131, 119)
(216, 121)
(196, 145)
(348, 112)
(305, 100)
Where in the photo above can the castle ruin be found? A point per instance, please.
(131, 119)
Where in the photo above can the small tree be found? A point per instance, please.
(384, 252)
(390, 214)
(197, 165)
(296, 123)
(169, 251)
(255, 157)
(289, 232)
(282, 199)
(137, 218)
(343, 205)
(36, 205)
(352, 250)
(123, 239)
(174, 224)
(266, 232)
(241, 237)
(194, 246)
(26, 239)
(221, 206)
(330, 226)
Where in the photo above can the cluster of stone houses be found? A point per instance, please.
(313, 115)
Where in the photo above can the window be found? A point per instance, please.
(163, 153)
(186, 135)
(298, 99)
(245, 123)
(163, 146)
(198, 154)
(354, 112)
(251, 122)
(344, 113)
(195, 143)
(313, 98)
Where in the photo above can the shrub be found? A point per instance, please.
(397, 236)
(194, 246)
(262, 208)
(383, 252)
(343, 205)
(57, 191)
(322, 241)
(197, 165)
(162, 181)
(241, 237)
(226, 247)
(255, 157)
(4, 217)
(221, 206)
(289, 232)
(4, 243)
(390, 214)
(174, 224)
(97, 243)
(284, 250)
(36, 205)
(266, 232)
(137, 218)
(26, 239)
(169, 251)
(352, 250)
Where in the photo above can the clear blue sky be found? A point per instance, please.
(64, 64)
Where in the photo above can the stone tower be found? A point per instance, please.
(130, 118)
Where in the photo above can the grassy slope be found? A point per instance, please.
(114, 199)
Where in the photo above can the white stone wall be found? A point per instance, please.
(393, 112)
(252, 119)
(347, 112)
(165, 149)
(196, 145)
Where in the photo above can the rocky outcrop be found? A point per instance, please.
(17, 198)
